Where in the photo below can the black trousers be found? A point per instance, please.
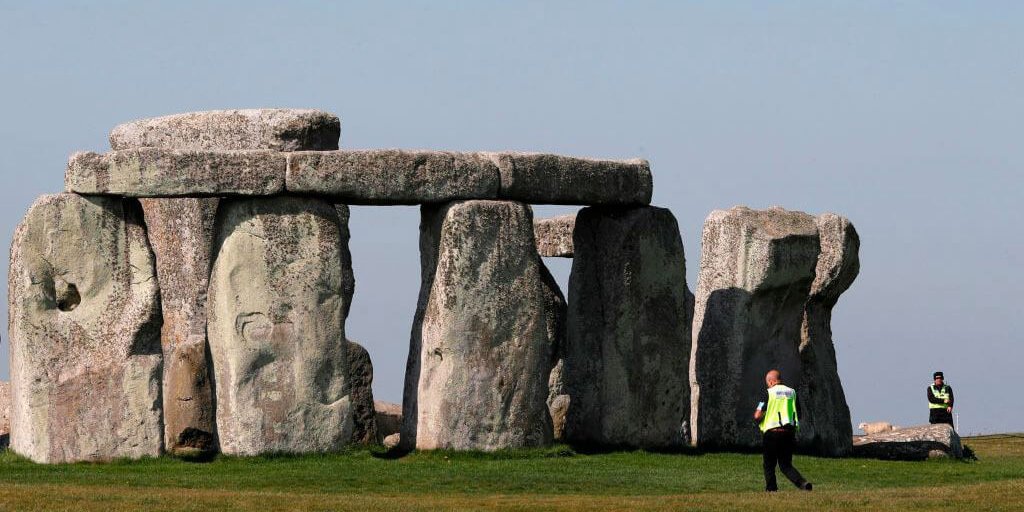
(778, 450)
(940, 416)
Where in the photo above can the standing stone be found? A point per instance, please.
(5, 414)
(85, 332)
(627, 350)
(276, 328)
(181, 234)
(825, 426)
(485, 331)
(554, 236)
(278, 129)
(756, 272)
(361, 379)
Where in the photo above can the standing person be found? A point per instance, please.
(777, 419)
(940, 401)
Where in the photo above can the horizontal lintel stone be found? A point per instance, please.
(393, 176)
(540, 178)
(154, 172)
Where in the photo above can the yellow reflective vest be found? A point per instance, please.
(781, 410)
(941, 394)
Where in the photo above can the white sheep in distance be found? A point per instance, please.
(877, 427)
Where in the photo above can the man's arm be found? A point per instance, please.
(949, 406)
(932, 399)
(761, 406)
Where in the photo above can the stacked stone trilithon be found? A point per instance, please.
(768, 282)
(189, 291)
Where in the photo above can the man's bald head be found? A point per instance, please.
(772, 378)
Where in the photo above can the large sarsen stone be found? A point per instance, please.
(756, 272)
(181, 233)
(85, 332)
(486, 326)
(627, 352)
(825, 426)
(279, 292)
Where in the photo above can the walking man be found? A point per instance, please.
(940, 401)
(776, 417)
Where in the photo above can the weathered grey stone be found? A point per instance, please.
(270, 128)
(5, 413)
(393, 176)
(756, 272)
(276, 326)
(154, 172)
(361, 379)
(181, 234)
(84, 332)
(911, 443)
(554, 179)
(389, 419)
(554, 236)
(485, 331)
(392, 440)
(627, 350)
(825, 426)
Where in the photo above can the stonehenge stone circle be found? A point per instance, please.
(554, 236)
(276, 129)
(825, 427)
(189, 290)
(484, 336)
(85, 332)
(276, 313)
(626, 354)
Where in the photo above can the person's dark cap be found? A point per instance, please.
(938, 375)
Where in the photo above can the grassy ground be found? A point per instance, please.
(537, 480)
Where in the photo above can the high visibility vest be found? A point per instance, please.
(781, 409)
(941, 394)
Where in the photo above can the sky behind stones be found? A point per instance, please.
(905, 117)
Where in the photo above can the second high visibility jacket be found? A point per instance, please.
(780, 410)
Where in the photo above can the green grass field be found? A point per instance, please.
(551, 479)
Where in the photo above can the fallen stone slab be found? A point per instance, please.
(483, 340)
(277, 129)
(825, 426)
(84, 332)
(155, 172)
(181, 231)
(361, 381)
(540, 178)
(627, 349)
(389, 418)
(756, 271)
(276, 309)
(910, 443)
(393, 176)
(554, 236)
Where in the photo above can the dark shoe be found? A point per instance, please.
(807, 486)
(772, 490)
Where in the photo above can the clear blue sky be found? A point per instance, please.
(904, 116)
